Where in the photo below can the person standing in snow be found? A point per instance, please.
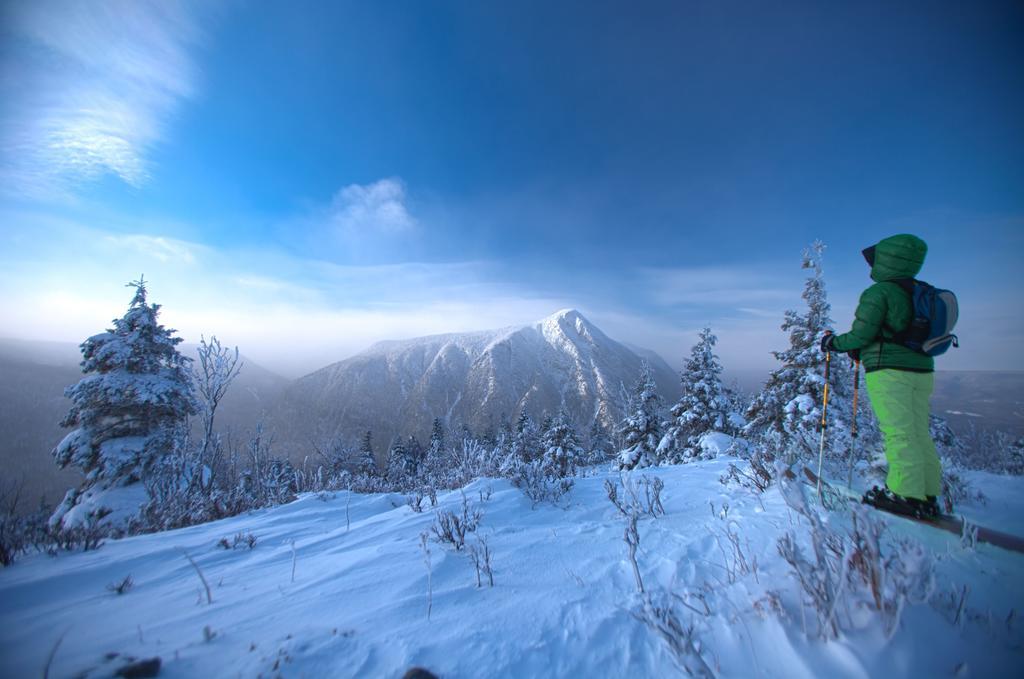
(899, 379)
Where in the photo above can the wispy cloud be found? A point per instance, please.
(293, 314)
(90, 87)
(720, 286)
(160, 248)
(376, 207)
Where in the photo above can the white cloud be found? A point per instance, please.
(90, 89)
(290, 314)
(378, 207)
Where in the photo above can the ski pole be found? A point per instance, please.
(853, 427)
(824, 415)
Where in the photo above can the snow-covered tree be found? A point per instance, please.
(124, 412)
(562, 454)
(1015, 463)
(435, 466)
(526, 440)
(641, 430)
(217, 368)
(367, 463)
(786, 414)
(598, 444)
(402, 465)
(704, 406)
(416, 452)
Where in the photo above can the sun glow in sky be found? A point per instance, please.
(303, 179)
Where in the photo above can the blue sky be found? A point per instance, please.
(302, 179)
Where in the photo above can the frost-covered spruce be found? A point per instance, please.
(402, 465)
(704, 406)
(435, 465)
(526, 442)
(563, 454)
(367, 462)
(124, 411)
(416, 452)
(787, 411)
(641, 430)
(600, 448)
(1015, 463)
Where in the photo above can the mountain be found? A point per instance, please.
(399, 387)
(32, 404)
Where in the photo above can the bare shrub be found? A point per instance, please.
(957, 490)
(641, 495)
(202, 578)
(20, 533)
(822, 577)
(480, 555)
(121, 587)
(757, 476)
(539, 483)
(451, 528)
(738, 558)
(85, 537)
(415, 502)
(631, 536)
(858, 567)
(425, 548)
(238, 541)
(661, 617)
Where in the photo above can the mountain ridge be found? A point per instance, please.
(474, 378)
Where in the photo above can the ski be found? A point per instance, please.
(951, 523)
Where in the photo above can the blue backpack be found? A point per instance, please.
(935, 314)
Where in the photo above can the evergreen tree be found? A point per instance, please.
(402, 465)
(279, 484)
(1015, 463)
(563, 454)
(436, 465)
(641, 430)
(136, 392)
(367, 462)
(505, 431)
(786, 414)
(503, 439)
(526, 441)
(599, 446)
(703, 407)
(417, 453)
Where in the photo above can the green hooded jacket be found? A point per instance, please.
(885, 308)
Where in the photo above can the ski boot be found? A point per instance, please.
(888, 501)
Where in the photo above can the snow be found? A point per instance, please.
(115, 504)
(715, 443)
(562, 604)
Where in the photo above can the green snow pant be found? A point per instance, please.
(900, 400)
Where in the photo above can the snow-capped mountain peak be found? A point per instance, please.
(476, 378)
(568, 324)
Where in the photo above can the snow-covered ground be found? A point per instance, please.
(562, 604)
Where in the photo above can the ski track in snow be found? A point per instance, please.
(561, 605)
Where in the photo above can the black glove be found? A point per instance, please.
(826, 342)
